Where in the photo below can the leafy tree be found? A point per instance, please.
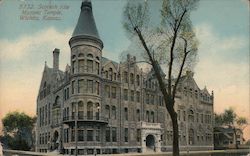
(17, 128)
(229, 118)
(172, 44)
(218, 119)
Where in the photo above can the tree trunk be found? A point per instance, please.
(173, 116)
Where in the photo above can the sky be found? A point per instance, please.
(221, 26)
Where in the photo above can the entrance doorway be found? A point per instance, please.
(150, 142)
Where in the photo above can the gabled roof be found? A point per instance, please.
(106, 60)
(86, 23)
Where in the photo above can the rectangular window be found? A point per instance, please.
(80, 86)
(126, 113)
(81, 151)
(113, 92)
(73, 111)
(125, 92)
(138, 115)
(138, 135)
(97, 67)
(113, 112)
(107, 134)
(90, 86)
(73, 67)
(132, 78)
(137, 96)
(107, 90)
(97, 134)
(147, 98)
(90, 66)
(114, 134)
(132, 95)
(152, 99)
(125, 77)
(97, 88)
(73, 134)
(90, 135)
(64, 95)
(80, 135)
(126, 134)
(67, 93)
(73, 87)
(184, 115)
(81, 66)
(160, 101)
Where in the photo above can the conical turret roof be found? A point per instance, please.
(86, 23)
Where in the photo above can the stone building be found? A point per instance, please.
(99, 106)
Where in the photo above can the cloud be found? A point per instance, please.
(22, 65)
(46, 39)
(224, 68)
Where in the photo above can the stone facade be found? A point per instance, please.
(100, 106)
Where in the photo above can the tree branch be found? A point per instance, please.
(172, 51)
(181, 68)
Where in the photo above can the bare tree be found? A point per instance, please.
(172, 45)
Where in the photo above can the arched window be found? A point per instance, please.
(57, 101)
(191, 116)
(90, 110)
(107, 109)
(111, 74)
(80, 110)
(113, 112)
(90, 56)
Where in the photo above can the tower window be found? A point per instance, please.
(90, 66)
(81, 65)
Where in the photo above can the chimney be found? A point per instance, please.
(56, 53)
